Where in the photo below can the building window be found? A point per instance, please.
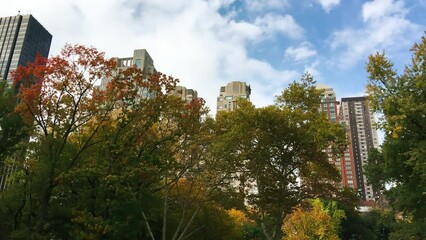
(138, 63)
(228, 97)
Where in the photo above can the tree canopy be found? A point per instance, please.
(401, 99)
(279, 154)
(100, 161)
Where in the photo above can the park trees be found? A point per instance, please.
(116, 162)
(100, 160)
(401, 99)
(279, 154)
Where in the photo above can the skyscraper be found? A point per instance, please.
(358, 118)
(229, 94)
(21, 38)
(344, 163)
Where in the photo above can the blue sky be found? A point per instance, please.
(267, 43)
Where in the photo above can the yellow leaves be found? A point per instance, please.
(94, 227)
(319, 222)
(239, 217)
(396, 128)
(396, 131)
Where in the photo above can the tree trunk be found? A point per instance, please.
(44, 208)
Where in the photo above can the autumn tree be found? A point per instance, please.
(279, 151)
(320, 221)
(401, 99)
(89, 144)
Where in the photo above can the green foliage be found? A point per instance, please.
(12, 127)
(379, 222)
(375, 171)
(402, 101)
(353, 226)
(405, 229)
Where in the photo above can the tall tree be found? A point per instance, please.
(279, 151)
(401, 99)
(72, 118)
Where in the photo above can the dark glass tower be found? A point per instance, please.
(21, 38)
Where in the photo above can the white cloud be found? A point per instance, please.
(302, 52)
(327, 5)
(388, 30)
(285, 24)
(375, 10)
(263, 5)
(187, 39)
(221, 3)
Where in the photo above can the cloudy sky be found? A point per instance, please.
(266, 43)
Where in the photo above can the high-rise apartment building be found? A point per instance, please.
(21, 38)
(345, 164)
(229, 95)
(358, 118)
(184, 93)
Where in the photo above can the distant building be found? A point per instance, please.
(345, 164)
(229, 95)
(141, 59)
(358, 118)
(21, 38)
(185, 93)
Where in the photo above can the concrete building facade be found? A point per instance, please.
(358, 118)
(229, 95)
(140, 58)
(21, 38)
